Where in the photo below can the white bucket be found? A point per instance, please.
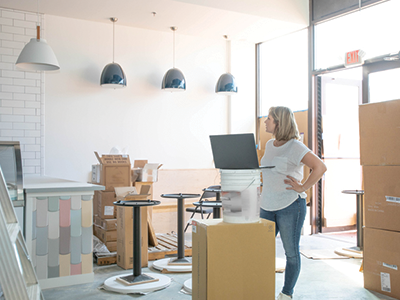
(240, 195)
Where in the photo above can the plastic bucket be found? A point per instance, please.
(240, 195)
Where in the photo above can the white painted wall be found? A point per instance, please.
(170, 128)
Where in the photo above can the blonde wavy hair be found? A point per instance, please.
(286, 126)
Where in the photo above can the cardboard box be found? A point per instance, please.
(114, 169)
(104, 235)
(382, 197)
(111, 246)
(379, 133)
(105, 204)
(150, 172)
(125, 237)
(233, 261)
(106, 224)
(95, 205)
(382, 261)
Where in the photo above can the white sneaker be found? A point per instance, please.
(283, 297)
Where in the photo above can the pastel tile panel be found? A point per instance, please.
(41, 266)
(54, 250)
(65, 212)
(41, 212)
(54, 203)
(87, 214)
(76, 246)
(86, 197)
(65, 239)
(87, 240)
(87, 263)
(42, 241)
(76, 202)
(76, 223)
(65, 265)
(76, 269)
(54, 224)
(53, 272)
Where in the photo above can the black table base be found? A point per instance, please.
(137, 276)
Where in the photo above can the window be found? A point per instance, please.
(374, 30)
(284, 72)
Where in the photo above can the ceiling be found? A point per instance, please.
(250, 20)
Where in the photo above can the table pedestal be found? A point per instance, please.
(359, 223)
(181, 260)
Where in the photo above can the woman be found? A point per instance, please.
(283, 198)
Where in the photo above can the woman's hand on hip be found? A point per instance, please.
(294, 184)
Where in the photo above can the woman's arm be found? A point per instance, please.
(318, 169)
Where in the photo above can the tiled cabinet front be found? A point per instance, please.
(60, 237)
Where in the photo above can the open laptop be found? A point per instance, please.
(235, 151)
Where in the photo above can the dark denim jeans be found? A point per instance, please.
(289, 222)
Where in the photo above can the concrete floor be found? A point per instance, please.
(319, 279)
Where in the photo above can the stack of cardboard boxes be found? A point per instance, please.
(112, 171)
(114, 224)
(380, 158)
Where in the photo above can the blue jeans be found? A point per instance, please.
(289, 222)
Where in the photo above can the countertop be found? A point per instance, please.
(40, 184)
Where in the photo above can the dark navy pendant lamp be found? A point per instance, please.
(113, 76)
(173, 80)
(226, 84)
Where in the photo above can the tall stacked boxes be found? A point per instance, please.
(233, 261)
(380, 158)
(113, 170)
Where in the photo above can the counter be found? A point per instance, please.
(58, 229)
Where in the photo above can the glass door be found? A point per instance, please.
(340, 97)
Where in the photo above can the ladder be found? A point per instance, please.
(18, 279)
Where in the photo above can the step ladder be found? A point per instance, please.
(18, 279)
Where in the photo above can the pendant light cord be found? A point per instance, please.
(173, 49)
(113, 38)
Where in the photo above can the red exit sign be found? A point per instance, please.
(353, 58)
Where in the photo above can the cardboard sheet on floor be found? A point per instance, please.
(321, 254)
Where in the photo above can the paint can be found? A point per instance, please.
(240, 195)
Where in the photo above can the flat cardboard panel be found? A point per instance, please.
(379, 133)
(382, 261)
(233, 261)
(125, 237)
(382, 197)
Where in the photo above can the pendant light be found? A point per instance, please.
(37, 55)
(226, 84)
(173, 80)
(113, 76)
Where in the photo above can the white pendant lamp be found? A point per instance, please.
(113, 76)
(37, 55)
(174, 80)
(226, 84)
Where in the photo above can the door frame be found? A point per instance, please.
(372, 65)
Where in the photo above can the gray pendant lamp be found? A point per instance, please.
(226, 84)
(173, 80)
(113, 76)
(37, 55)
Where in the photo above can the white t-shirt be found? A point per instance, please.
(287, 161)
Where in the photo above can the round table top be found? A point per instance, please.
(137, 203)
(208, 203)
(212, 190)
(355, 192)
(180, 196)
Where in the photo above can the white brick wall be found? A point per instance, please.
(21, 93)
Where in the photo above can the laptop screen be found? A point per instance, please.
(234, 151)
